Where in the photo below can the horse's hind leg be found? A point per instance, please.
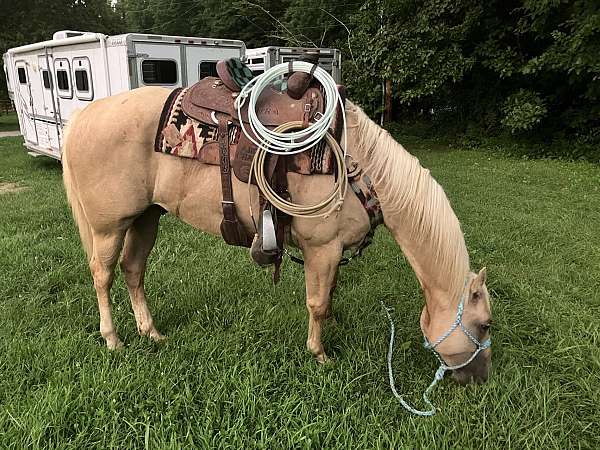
(139, 241)
(105, 253)
(320, 269)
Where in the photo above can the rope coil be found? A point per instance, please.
(289, 143)
(332, 202)
(292, 137)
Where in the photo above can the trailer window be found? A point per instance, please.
(46, 79)
(83, 78)
(62, 79)
(81, 81)
(22, 75)
(207, 69)
(159, 71)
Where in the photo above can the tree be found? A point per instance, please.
(530, 65)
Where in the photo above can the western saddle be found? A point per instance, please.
(211, 102)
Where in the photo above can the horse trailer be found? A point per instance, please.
(263, 58)
(48, 81)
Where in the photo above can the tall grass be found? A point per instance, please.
(234, 372)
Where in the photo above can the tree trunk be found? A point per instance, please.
(387, 115)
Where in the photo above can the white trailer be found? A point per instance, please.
(49, 80)
(263, 58)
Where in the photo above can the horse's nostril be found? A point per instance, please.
(477, 374)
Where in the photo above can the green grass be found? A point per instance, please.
(9, 122)
(234, 372)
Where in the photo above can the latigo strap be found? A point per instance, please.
(233, 232)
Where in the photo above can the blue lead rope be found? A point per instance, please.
(439, 373)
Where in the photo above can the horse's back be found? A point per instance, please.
(131, 115)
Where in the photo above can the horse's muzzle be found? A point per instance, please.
(477, 371)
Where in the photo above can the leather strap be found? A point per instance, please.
(232, 231)
(309, 106)
(225, 164)
(279, 182)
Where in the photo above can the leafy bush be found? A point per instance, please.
(523, 111)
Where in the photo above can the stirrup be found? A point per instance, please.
(264, 249)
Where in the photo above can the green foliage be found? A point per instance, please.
(236, 19)
(480, 62)
(523, 111)
(314, 23)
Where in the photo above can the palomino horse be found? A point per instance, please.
(118, 187)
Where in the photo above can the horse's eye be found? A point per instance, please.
(486, 326)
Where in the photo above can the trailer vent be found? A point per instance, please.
(64, 34)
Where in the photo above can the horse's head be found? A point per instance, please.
(460, 334)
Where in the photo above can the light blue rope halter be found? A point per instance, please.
(439, 373)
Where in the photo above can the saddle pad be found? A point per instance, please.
(183, 136)
(180, 135)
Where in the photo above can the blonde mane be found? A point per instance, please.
(406, 190)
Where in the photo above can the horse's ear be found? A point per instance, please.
(476, 285)
(482, 276)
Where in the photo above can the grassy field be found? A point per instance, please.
(234, 372)
(9, 122)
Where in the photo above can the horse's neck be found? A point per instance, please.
(415, 210)
(421, 257)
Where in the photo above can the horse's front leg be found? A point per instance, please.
(320, 269)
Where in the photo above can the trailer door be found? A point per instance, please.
(46, 85)
(45, 111)
(24, 101)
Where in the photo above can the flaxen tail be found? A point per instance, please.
(85, 231)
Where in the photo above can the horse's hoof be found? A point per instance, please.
(156, 336)
(323, 359)
(151, 333)
(114, 344)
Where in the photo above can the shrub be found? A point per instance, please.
(523, 111)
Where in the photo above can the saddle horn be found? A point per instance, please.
(298, 82)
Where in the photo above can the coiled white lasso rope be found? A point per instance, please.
(291, 138)
(297, 141)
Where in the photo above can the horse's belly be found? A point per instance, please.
(192, 191)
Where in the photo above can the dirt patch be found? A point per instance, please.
(11, 188)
